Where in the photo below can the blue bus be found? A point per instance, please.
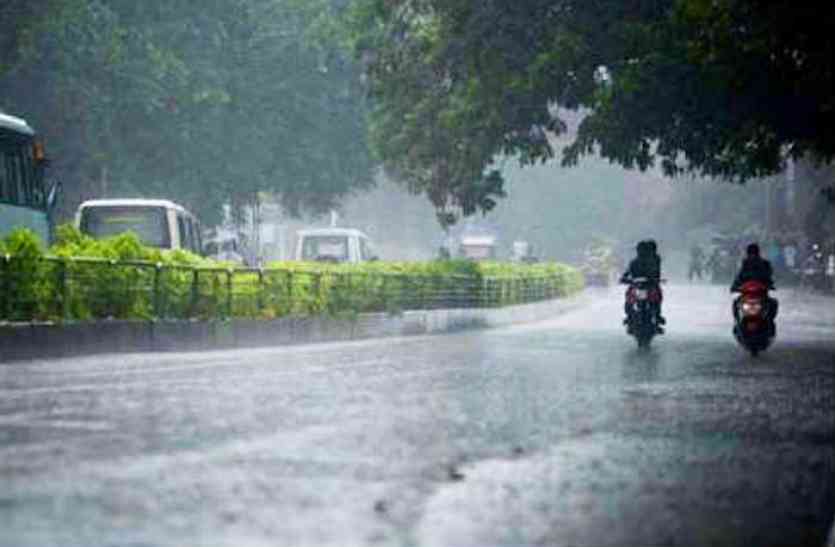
(24, 199)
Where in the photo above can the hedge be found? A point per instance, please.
(83, 279)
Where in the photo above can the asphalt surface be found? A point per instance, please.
(558, 433)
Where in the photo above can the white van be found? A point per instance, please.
(158, 222)
(481, 247)
(334, 245)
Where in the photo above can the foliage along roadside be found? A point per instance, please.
(80, 278)
(723, 88)
(214, 101)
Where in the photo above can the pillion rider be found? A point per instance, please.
(756, 268)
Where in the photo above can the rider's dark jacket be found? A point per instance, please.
(754, 268)
(648, 266)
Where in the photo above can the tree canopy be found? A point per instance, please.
(207, 102)
(219, 100)
(724, 88)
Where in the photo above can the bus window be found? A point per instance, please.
(198, 238)
(194, 236)
(11, 166)
(182, 232)
(27, 166)
(5, 180)
(23, 177)
(149, 223)
(189, 246)
(20, 178)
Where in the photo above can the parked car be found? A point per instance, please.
(337, 245)
(158, 222)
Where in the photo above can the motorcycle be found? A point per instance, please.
(642, 300)
(754, 322)
(813, 271)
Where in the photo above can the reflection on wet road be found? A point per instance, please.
(556, 433)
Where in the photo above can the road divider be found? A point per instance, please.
(25, 341)
(116, 294)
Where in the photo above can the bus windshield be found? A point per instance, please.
(149, 223)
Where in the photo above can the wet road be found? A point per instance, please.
(559, 433)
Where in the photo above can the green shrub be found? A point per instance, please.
(25, 288)
(85, 279)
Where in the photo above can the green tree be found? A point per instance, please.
(727, 88)
(207, 102)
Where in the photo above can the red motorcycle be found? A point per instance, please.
(642, 300)
(754, 316)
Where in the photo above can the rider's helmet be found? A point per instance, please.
(752, 250)
(652, 247)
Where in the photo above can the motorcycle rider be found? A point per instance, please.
(813, 271)
(756, 268)
(648, 265)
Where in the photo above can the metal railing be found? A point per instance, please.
(80, 289)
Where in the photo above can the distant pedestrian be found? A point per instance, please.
(790, 255)
(774, 254)
(697, 263)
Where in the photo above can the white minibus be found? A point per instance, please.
(158, 222)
